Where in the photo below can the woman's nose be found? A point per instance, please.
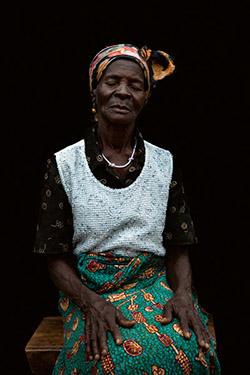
(123, 90)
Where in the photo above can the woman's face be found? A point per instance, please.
(120, 94)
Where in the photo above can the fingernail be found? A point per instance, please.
(187, 335)
(97, 356)
(90, 357)
(207, 345)
(118, 341)
(104, 352)
(164, 320)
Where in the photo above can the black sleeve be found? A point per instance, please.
(179, 226)
(55, 225)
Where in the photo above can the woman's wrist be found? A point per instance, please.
(87, 298)
(183, 291)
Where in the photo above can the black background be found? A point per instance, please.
(199, 113)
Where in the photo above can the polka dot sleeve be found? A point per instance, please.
(179, 228)
(55, 225)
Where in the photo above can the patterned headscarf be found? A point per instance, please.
(155, 65)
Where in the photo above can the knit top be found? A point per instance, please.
(125, 221)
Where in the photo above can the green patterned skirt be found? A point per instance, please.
(138, 287)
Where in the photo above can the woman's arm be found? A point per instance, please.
(179, 271)
(101, 315)
(63, 274)
(179, 275)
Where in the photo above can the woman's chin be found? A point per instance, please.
(121, 119)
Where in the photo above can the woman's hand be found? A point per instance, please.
(101, 317)
(181, 306)
(179, 274)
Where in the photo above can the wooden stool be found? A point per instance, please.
(45, 344)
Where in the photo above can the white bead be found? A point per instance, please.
(124, 165)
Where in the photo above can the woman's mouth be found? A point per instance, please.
(120, 108)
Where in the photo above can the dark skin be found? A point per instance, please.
(119, 97)
(101, 315)
(179, 275)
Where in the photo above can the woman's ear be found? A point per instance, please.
(93, 110)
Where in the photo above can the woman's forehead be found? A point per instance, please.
(123, 67)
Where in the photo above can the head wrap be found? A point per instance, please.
(155, 65)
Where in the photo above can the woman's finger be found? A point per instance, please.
(124, 322)
(206, 337)
(200, 332)
(167, 314)
(184, 324)
(87, 335)
(113, 327)
(102, 337)
(94, 339)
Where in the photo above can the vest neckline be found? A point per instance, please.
(108, 188)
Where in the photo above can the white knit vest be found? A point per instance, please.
(125, 221)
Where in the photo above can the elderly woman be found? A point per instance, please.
(115, 227)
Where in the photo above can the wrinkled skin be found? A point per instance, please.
(120, 95)
(182, 307)
(181, 304)
(101, 317)
(119, 98)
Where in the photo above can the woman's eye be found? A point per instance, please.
(111, 82)
(136, 87)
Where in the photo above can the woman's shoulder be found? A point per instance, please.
(69, 149)
(70, 155)
(170, 153)
(156, 148)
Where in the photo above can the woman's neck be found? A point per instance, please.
(116, 138)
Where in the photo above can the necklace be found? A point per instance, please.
(113, 165)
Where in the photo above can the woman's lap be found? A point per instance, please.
(147, 348)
